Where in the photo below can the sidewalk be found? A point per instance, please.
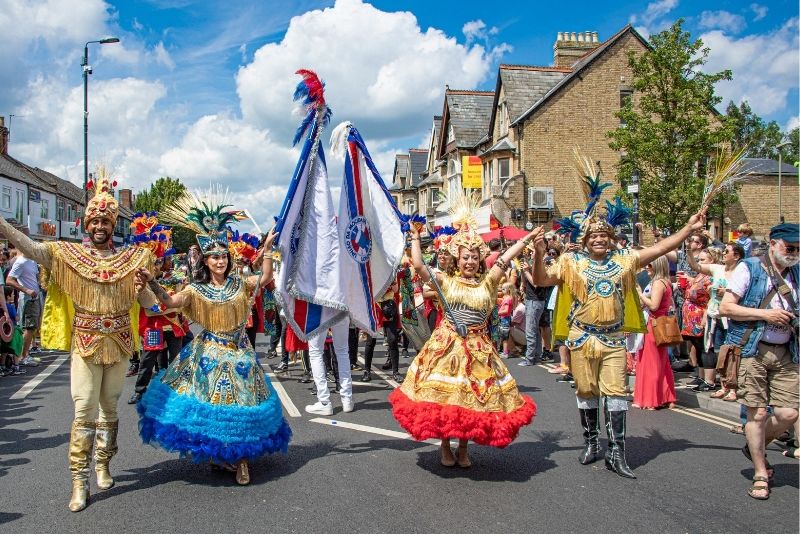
(691, 399)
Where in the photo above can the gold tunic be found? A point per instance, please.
(219, 309)
(99, 290)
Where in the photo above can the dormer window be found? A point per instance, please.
(502, 117)
(451, 135)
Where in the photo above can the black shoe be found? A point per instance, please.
(696, 381)
(386, 366)
(591, 430)
(405, 354)
(282, 367)
(565, 378)
(615, 455)
(366, 377)
(397, 377)
(133, 369)
(136, 397)
(17, 371)
(355, 367)
(704, 386)
(272, 354)
(306, 378)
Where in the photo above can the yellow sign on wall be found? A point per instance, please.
(471, 172)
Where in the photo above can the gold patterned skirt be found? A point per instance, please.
(460, 388)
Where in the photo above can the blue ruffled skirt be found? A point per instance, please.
(214, 403)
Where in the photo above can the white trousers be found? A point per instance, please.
(315, 346)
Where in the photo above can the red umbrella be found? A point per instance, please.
(510, 233)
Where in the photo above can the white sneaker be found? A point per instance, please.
(320, 409)
(29, 362)
(347, 404)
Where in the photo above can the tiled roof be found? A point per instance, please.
(16, 170)
(419, 164)
(503, 144)
(433, 179)
(578, 67)
(525, 85)
(65, 188)
(767, 167)
(469, 114)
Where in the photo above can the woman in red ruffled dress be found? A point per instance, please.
(458, 387)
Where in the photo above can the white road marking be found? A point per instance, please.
(29, 386)
(370, 429)
(291, 409)
(705, 416)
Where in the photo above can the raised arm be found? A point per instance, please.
(169, 301)
(703, 269)
(498, 270)
(541, 277)
(38, 252)
(266, 261)
(416, 257)
(696, 222)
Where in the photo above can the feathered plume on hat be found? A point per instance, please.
(582, 223)
(102, 203)
(243, 245)
(462, 213)
(442, 237)
(204, 213)
(148, 233)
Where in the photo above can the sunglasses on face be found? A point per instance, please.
(791, 249)
(552, 253)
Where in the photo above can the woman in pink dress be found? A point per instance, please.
(655, 383)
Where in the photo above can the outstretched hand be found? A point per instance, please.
(698, 220)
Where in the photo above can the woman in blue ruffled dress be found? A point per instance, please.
(214, 402)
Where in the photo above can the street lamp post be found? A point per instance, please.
(87, 70)
(633, 189)
(780, 179)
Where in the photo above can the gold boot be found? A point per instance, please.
(105, 449)
(81, 442)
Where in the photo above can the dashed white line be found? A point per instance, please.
(31, 384)
(291, 409)
(369, 429)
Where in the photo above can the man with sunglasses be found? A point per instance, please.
(761, 303)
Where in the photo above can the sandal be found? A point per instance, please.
(719, 393)
(770, 469)
(751, 491)
(242, 473)
(791, 452)
(730, 396)
(737, 429)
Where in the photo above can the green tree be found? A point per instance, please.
(668, 137)
(161, 193)
(749, 130)
(791, 153)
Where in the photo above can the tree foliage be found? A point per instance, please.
(791, 153)
(670, 128)
(749, 130)
(162, 192)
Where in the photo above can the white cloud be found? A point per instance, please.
(163, 57)
(759, 11)
(793, 123)
(652, 20)
(722, 20)
(765, 66)
(389, 81)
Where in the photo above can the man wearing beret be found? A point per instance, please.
(761, 302)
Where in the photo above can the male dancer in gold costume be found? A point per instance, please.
(596, 305)
(91, 294)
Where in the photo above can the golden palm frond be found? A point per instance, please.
(729, 169)
(462, 210)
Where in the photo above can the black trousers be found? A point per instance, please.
(161, 357)
(392, 333)
(352, 345)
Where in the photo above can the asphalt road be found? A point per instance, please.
(356, 472)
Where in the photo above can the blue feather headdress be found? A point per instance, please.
(581, 223)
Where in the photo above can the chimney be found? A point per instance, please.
(3, 136)
(126, 198)
(571, 46)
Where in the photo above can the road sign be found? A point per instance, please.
(633, 189)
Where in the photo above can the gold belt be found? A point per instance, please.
(105, 324)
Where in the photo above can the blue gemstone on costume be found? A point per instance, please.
(207, 364)
(243, 369)
(604, 287)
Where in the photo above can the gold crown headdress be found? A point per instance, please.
(462, 212)
(103, 203)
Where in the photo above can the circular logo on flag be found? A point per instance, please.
(357, 240)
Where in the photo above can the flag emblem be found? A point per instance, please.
(357, 240)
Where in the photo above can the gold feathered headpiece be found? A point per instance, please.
(103, 203)
(462, 212)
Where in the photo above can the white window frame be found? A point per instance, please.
(6, 201)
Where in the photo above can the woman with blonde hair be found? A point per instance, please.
(655, 383)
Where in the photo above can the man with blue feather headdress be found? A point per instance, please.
(597, 305)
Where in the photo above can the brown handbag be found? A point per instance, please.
(728, 365)
(666, 331)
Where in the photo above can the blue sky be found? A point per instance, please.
(202, 90)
